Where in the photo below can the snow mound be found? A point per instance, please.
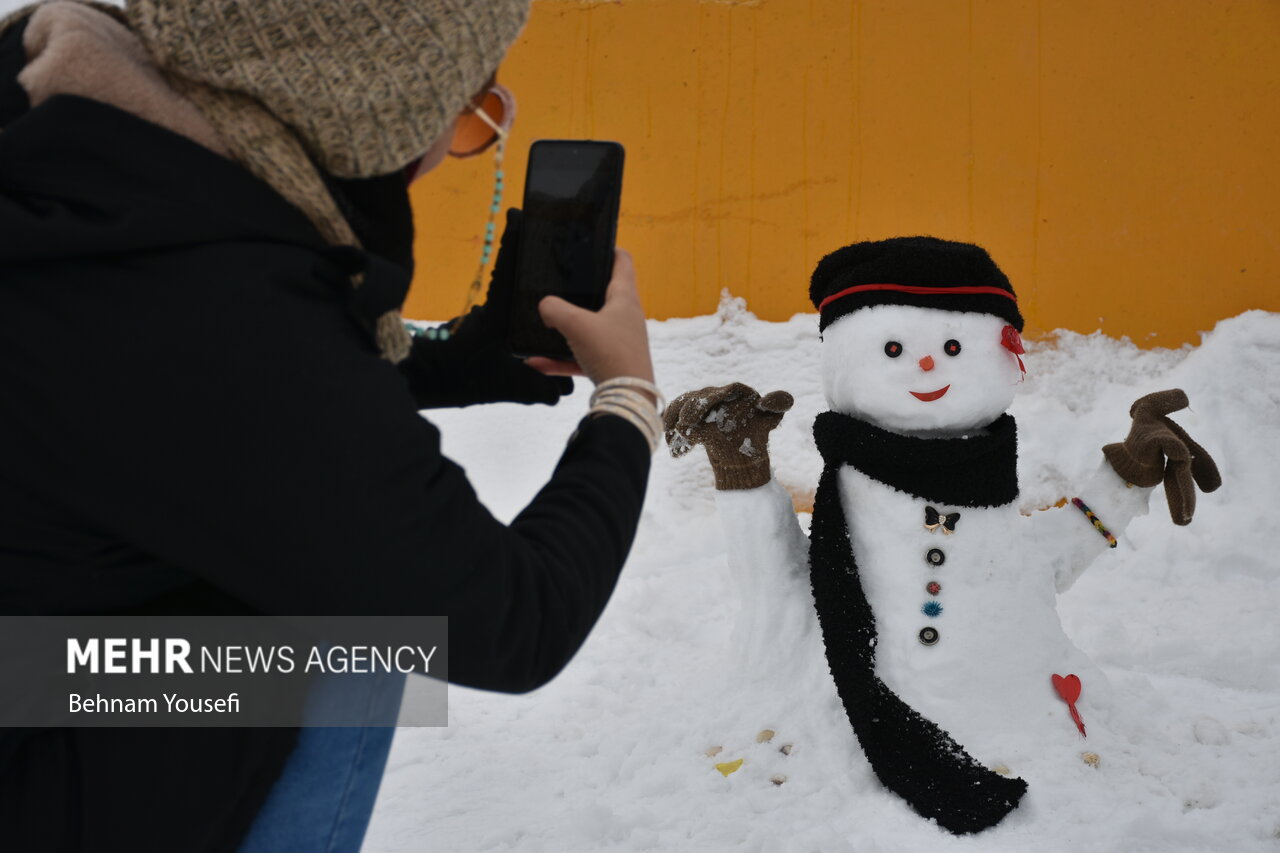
(613, 755)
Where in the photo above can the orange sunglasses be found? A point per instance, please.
(484, 121)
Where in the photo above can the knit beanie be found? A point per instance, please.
(921, 271)
(367, 85)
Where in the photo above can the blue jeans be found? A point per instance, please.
(323, 799)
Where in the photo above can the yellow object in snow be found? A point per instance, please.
(729, 767)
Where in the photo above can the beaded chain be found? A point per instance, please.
(1097, 523)
(445, 330)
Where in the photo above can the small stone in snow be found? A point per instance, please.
(765, 735)
(1091, 758)
(714, 751)
(785, 749)
(778, 780)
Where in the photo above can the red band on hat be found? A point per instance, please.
(921, 291)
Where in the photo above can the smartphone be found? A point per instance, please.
(571, 194)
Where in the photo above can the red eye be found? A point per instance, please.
(893, 349)
(951, 347)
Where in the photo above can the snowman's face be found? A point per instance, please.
(918, 371)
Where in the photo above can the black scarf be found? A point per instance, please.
(911, 755)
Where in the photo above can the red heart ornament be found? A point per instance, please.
(1068, 688)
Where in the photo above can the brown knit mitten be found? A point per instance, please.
(1157, 450)
(733, 422)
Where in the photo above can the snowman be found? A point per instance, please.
(935, 597)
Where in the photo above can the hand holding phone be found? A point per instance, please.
(607, 343)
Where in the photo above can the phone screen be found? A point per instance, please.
(571, 197)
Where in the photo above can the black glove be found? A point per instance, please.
(473, 365)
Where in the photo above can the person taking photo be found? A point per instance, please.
(210, 403)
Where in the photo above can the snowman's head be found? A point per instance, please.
(920, 335)
(919, 371)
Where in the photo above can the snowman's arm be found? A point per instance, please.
(733, 422)
(765, 542)
(1066, 538)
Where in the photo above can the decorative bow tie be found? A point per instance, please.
(934, 519)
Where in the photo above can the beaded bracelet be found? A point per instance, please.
(431, 333)
(1097, 523)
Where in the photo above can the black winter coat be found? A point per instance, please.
(194, 419)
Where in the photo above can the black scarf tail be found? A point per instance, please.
(910, 755)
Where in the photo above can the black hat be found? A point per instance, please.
(922, 271)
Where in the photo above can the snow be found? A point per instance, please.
(612, 756)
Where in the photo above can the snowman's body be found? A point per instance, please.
(984, 676)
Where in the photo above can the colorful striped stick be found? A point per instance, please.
(1083, 507)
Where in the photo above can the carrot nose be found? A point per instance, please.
(926, 363)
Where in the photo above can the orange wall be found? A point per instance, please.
(1119, 158)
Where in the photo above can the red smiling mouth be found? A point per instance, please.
(932, 395)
